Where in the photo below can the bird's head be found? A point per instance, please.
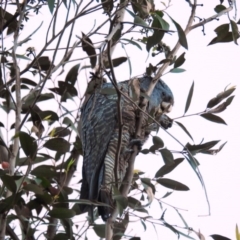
(161, 99)
(167, 99)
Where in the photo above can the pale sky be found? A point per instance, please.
(212, 68)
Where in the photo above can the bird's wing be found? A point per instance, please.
(98, 120)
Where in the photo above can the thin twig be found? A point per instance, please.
(151, 28)
(205, 21)
(15, 149)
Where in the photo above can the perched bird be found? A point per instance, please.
(99, 130)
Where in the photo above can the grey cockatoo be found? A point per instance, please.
(99, 131)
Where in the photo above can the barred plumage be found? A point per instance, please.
(99, 134)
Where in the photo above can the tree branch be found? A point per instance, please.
(12, 162)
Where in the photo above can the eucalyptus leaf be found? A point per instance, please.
(165, 169)
(181, 34)
(51, 5)
(219, 237)
(189, 98)
(58, 144)
(179, 61)
(167, 156)
(61, 213)
(9, 182)
(177, 70)
(213, 118)
(87, 46)
(28, 144)
(235, 31)
(169, 183)
(184, 129)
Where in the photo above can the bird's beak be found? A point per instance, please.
(166, 106)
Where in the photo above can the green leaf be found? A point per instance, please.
(149, 189)
(169, 183)
(33, 188)
(158, 142)
(69, 122)
(99, 230)
(72, 75)
(166, 195)
(140, 21)
(222, 106)
(222, 39)
(223, 34)
(28, 144)
(213, 118)
(28, 81)
(145, 151)
(43, 62)
(107, 6)
(61, 213)
(177, 70)
(167, 156)
(59, 132)
(116, 62)
(25, 161)
(235, 32)
(87, 46)
(181, 34)
(219, 8)
(214, 101)
(130, 12)
(180, 60)
(7, 203)
(201, 148)
(184, 129)
(60, 236)
(168, 168)
(9, 182)
(133, 202)
(8, 17)
(144, 226)
(157, 35)
(44, 170)
(30, 98)
(51, 5)
(189, 98)
(45, 96)
(222, 30)
(219, 237)
(213, 151)
(48, 116)
(58, 144)
(132, 42)
(163, 23)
